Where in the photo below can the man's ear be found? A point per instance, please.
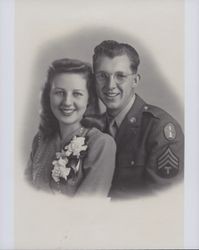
(136, 79)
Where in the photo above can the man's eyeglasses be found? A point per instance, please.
(119, 77)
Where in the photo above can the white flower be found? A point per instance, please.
(68, 153)
(62, 162)
(60, 154)
(60, 169)
(76, 146)
(64, 172)
(56, 173)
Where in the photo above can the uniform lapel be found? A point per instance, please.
(131, 122)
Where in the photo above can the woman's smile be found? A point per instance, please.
(69, 98)
(67, 111)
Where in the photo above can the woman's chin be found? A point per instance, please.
(69, 121)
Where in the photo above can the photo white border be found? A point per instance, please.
(7, 61)
(191, 200)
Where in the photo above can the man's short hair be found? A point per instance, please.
(111, 48)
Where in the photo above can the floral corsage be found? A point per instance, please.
(67, 161)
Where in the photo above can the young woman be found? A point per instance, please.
(66, 156)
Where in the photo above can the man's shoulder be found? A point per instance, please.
(158, 113)
(143, 113)
(163, 123)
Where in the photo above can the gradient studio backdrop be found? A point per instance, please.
(46, 30)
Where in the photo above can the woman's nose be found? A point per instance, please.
(67, 100)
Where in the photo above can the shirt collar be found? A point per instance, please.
(120, 117)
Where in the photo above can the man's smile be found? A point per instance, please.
(111, 94)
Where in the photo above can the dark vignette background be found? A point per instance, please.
(153, 86)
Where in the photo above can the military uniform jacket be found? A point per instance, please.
(150, 150)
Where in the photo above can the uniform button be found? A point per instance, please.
(146, 107)
(132, 163)
(133, 120)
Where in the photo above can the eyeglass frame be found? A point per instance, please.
(108, 76)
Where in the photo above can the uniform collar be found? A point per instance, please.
(134, 115)
(131, 122)
(120, 117)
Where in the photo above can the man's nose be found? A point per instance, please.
(111, 82)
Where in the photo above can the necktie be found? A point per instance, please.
(112, 128)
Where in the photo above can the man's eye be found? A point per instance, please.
(104, 75)
(101, 76)
(120, 75)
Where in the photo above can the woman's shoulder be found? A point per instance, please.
(96, 136)
(41, 137)
(38, 137)
(96, 133)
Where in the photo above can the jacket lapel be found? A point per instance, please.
(131, 122)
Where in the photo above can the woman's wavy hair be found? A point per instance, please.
(48, 123)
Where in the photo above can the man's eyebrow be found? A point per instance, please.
(103, 71)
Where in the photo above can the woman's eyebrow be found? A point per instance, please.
(82, 90)
(56, 87)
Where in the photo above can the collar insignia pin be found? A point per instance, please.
(133, 120)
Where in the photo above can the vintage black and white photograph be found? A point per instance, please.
(99, 124)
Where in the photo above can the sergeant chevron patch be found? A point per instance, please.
(167, 164)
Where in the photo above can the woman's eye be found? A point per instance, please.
(77, 94)
(59, 93)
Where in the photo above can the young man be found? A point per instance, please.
(149, 141)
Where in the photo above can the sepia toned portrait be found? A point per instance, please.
(99, 114)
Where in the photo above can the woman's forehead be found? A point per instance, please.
(70, 80)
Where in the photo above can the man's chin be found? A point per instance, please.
(112, 108)
(110, 105)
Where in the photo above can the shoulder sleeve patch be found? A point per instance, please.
(170, 131)
(167, 164)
